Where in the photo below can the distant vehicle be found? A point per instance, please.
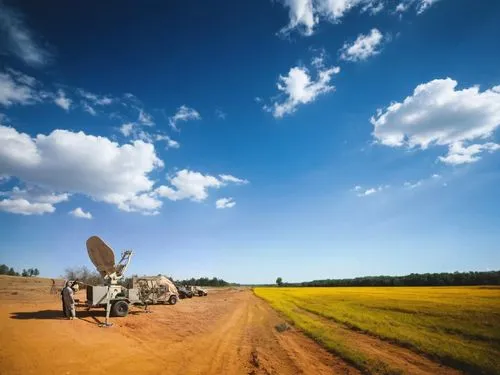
(184, 292)
(198, 291)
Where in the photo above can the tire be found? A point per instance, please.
(172, 300)
(120, 309)
(190, 295)
(200, 293)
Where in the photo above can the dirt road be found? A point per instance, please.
(228, 332)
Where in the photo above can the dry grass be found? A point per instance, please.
(459, 326)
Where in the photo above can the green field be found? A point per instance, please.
(457, 326)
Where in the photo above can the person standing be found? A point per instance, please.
(68, 301)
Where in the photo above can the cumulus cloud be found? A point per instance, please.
(30, 201)
(304, 15)
(189, 185)
(62, 100)
(225, 203)
(17, 88)
(186, 184)
(460, 154)
(363, 47)
(183, 113)
(18, 39)
(81, 214)
(440, 114)
(24, 207)
(298, 87)
(74, 162)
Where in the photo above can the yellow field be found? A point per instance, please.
(459, 326)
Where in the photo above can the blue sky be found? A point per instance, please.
(305, 139)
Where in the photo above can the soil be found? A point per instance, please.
(230, 331)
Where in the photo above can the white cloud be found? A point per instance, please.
(302, 17)
(189, 185)
(439, 114)
(23, 207)
(306, 14)
(145, 118)
(460, 154)
(95, 99)
(81, 214)
(36, 195)
(373, 7)
(361, 192)
(184, 113)
(169, 141)
(363, 47)
(89, 109)
(420, 5)
(192, 185)
(30, 201)
(19, 40)
(230, 178)
(17, 88)
(127, 129)
(298, 88)
(62, 100)
(74, 162)
(225, 203)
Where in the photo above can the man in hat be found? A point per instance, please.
(68, 301)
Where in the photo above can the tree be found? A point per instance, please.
(84, 275)
(279, 281)
(36, 272)
(4, 269)
(12, 272)
(24, 273)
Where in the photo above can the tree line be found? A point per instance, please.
(6, 270)
(414, 279)
(86, 276)
(204, 281)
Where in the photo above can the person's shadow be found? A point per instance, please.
(89, 316)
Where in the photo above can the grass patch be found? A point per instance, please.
(459, 326)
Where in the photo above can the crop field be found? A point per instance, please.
(373, 327)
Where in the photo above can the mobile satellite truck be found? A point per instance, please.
(116, 298)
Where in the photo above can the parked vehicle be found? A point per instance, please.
(197, 291)
(184, 292)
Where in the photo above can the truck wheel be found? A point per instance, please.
(119, 308)
(200, 293)
(172, 300)
(190, 295)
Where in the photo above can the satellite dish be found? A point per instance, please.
(101, 255)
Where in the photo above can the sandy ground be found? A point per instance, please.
(228, 332)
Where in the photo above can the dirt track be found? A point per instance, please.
(227, 332)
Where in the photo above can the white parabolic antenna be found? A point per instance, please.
(101, 255)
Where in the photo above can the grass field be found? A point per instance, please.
(458, 326)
